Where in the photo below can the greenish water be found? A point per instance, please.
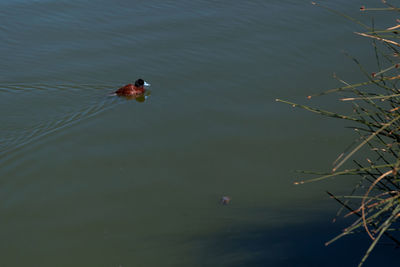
(92, 180)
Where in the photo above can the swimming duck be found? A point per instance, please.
(136, 89)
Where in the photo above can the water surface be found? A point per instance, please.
(93, 180)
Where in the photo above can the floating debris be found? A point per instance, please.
(225, 200)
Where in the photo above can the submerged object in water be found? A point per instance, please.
(225, 200)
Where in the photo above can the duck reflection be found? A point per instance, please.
(139, 98)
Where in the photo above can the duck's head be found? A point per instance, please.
(141, 83)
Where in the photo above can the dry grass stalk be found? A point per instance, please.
(375, 200)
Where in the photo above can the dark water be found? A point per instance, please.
(92, 180)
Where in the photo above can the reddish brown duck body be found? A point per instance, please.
(132, 89)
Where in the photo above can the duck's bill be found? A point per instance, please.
(146, 84)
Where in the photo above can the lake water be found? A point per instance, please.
(92, 180)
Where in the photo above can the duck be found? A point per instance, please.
(136, 89)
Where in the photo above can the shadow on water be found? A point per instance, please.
(291, 245)
(78, 103)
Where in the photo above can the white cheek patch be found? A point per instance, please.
(146, 84)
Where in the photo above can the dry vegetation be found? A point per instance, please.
(375, 202)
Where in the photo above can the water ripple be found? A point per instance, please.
(82, 106)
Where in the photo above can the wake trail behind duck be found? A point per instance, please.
(68, 106)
